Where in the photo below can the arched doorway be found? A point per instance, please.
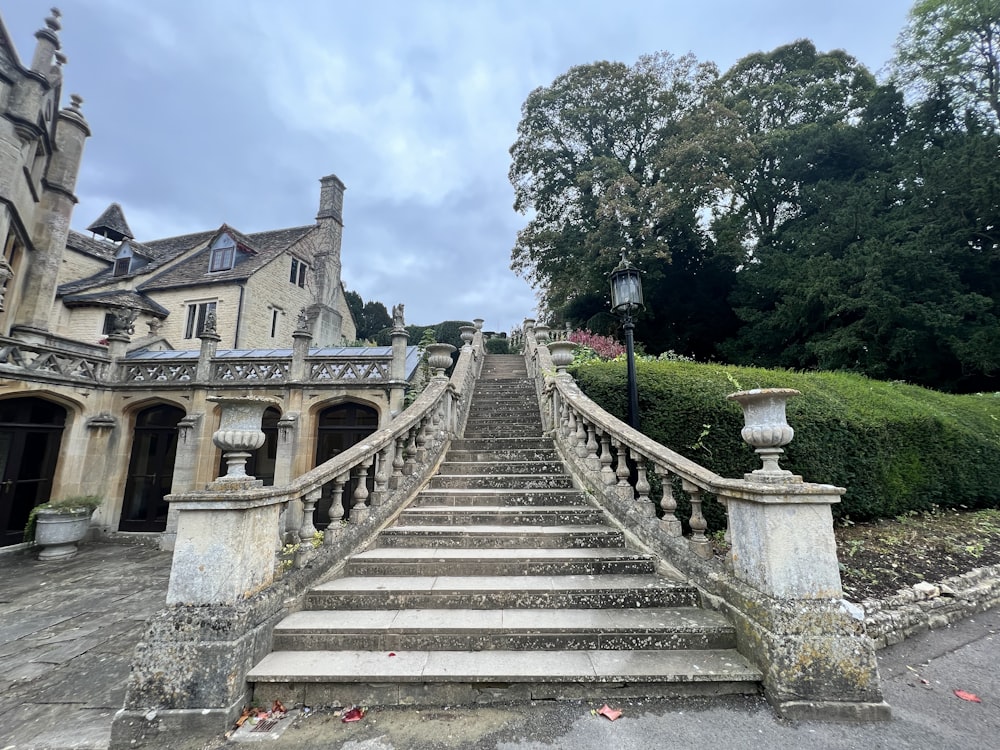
(261, 462)
(150, 469)
(30, 435)
(338, 428)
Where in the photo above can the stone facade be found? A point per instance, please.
(112, 347)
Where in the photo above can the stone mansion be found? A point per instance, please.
(114, 350)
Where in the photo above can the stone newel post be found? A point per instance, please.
(397, 375)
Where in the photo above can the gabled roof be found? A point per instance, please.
(89, 246)
(112, 224)
(262, 246)
(259, 249)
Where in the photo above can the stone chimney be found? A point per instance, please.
(331, 199)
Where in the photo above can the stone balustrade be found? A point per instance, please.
(779, 580)
(225, 592)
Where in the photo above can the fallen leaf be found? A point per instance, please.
(354, 714)
(392, 653)
(965, 696)
(610, 713)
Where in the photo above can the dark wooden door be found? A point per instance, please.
(150, 469)
(30, 435)
(341, 427)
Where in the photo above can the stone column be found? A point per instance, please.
(397, 374)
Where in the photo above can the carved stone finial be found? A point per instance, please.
(397, 316)
(75, 101)
(53, 20)
(302, 324)
(210, 323)
(155, 324)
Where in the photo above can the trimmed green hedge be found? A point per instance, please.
(896, 448)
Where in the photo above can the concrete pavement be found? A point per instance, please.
(67, 631)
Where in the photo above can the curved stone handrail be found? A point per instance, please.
(779, 580)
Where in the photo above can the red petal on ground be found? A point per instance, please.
(971, 697)
(611, 713)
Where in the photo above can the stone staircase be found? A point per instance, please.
(500, 582)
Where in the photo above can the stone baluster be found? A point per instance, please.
(382, 474)
(567, 427)
(411, 452)
(359, 504)
(580, 438)
(699, 542)
(642, 487)
(670, 523)
(421, 441)
(336, 507)
(593, 462)
(607, 473)
(308, 529)
(622, 472)
(397, 463)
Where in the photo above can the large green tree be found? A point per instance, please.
(607, 159)
(953, 46)
(768, 112)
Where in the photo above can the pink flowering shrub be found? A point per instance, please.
(604, 347)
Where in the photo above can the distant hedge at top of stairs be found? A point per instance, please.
(895, 447)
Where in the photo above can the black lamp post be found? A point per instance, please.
(626, 297)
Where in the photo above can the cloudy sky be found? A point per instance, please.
(212, 111)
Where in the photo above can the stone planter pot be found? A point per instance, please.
(59, 531)
(765, 428)
(542, 334)
(439, 358)
(239, 432)
(478, 323)
(562, 354)
(468, 333)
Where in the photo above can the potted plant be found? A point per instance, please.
(57, 526)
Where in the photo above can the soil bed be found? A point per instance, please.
(879, 558)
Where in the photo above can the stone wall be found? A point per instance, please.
(928, 606)
(267, 290)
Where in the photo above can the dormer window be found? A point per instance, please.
(223, 254)
(123, 260)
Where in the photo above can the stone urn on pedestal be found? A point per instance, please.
(467, 333)
(562, 354)
(542, 333)
(240, 433)
(439, 358)
(766, 429)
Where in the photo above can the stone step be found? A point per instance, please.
(504, 629)
(537, 515)
(505, 454)
(436, 561)
(494, 536)
(500, 592)
(502, 444)
(344, 678)
(504, 432)
(490, 417)
(502, 426)
(467, 497)
(495, 467)
(507, 481)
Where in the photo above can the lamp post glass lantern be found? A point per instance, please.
(626, 297)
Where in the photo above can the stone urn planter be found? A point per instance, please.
(467, 333)
(439, 358)
(542, 334)
(765, 427)
(562, 354)
(59, 526)
(239, 432)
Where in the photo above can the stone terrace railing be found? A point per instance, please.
(225, 593)
(234, 368)
(780, 581)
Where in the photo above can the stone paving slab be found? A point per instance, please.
(67, 633)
